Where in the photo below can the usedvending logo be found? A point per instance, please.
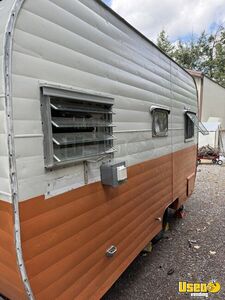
(197, 289)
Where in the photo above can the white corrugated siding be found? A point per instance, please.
(5, 7)
(82, 45)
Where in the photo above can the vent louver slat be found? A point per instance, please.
(79, 108)
(80, 129)
(80, 138)
(73, 122)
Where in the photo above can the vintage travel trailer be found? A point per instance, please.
(97, 141)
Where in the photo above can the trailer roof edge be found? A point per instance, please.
(138, 32)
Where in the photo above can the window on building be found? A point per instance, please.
(159, 121)
(77, 126)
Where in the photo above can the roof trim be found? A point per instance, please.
(195, 73)
(200, 74)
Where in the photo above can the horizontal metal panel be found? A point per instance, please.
(4, 167)
(2, 102)
(29, 147)
(85, 47)
(26, 109)
(31, 187)
(1, 44)
(1, 71)
(5, 8)
(4, 185)
(25, 87)
(3, 145)
(24, 169)
(3, 129)
(77, 25)
(85, 64)
(27, 127)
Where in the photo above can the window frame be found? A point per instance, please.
(154, 109)
(186, 117)
(49, 91)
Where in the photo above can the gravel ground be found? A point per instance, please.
(204, 224)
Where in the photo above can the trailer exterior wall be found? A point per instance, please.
(82, 45)
(93, 51)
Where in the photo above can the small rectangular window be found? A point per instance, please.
(160, 122)
(191, 120)
(76, 126)
(189, 127)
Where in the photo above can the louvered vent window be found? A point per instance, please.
(77, 126)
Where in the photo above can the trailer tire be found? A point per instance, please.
(220, 162)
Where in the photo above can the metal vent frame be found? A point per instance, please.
(89, 144)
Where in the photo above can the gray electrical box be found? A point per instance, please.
(113, 174)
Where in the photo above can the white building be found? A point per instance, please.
(213, 139)
(211, 97)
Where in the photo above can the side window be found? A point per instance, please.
(189, 127)
(159, 122)
(76, 126)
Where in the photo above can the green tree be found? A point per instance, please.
(164, 44)
(218, 72)
(187, 54)
(206, 53)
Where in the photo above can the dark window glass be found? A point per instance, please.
(189, 128)
(160, 122)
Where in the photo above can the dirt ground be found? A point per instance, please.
(193, 250)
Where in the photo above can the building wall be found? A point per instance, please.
(210, 139)
(198, 82)
(213, 101)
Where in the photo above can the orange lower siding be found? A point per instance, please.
(64, 238)
(10, 281)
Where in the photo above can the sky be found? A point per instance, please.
(179, 18)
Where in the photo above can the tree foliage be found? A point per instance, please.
(205, 53)
(164, 43)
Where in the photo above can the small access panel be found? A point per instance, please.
(113, 174)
